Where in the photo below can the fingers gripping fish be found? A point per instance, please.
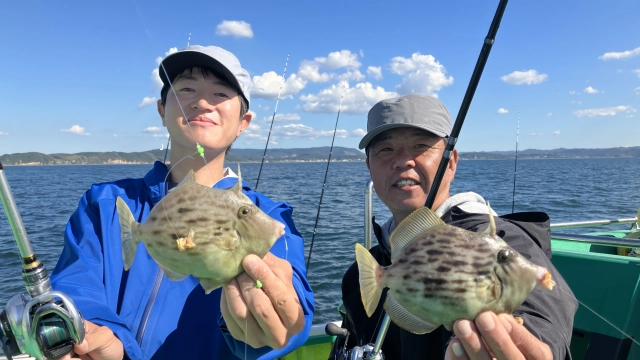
(441, 273)
(200, 231)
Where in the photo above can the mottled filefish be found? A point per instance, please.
(441, 273)
(200, 231)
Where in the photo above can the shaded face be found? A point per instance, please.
(203, 109)
(403, 163)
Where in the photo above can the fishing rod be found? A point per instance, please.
(374, 352)
(324, 183)
(44, 324)
(273, 118)
(515, 167)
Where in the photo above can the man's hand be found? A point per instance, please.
(494, 336)
(99, 344)
(266, 316)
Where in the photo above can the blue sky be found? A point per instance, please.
(75, 74)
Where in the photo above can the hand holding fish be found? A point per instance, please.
(265, 316)
(99, 344)
(494, 336)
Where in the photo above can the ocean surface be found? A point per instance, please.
(568, 190)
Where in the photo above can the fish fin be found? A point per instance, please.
(127, 226)
(413, 225)
(369, 269)
(491, 229)
(209, 285)
(188, 180)
(171, 275)
(237, 188)
(404, 319)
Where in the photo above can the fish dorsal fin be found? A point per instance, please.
(491, 229)
(237, 188)
(404, 319)
(171, 275)
(188, 180)
(413, 225)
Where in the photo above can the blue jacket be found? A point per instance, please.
(182, 322)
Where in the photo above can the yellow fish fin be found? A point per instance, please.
(370, 271)
(127, 227)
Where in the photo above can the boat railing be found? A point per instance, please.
(597, 240)
(579, 224)
(368, 214)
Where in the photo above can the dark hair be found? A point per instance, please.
(206, 72)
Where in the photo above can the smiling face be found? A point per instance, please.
(402, 163)
(204, 109)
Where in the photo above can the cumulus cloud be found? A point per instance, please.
(3, 133)
(339, 59)
(637, 90)
(529, 77)
(310, 70)
(637, 71)
(590, 90)
(156, 132)
(282, 118)
(608, 111)
(267, 86)
(502, 111)
(76, 130)
(307, 132)
(549, 114)
(358, 133)
(422, 74)
(237, 29)
(557, 132)
(357, 100)
(147, 101)
(155, 74)
(375, 72)
(620, 55)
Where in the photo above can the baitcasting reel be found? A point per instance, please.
(365, 352)
(44, 324)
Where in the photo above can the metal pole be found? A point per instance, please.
(368, 214)
(15, 221)
(579, 224)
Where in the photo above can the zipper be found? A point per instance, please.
(147, 310)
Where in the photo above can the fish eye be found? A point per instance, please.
(244, 211)
(504, 256)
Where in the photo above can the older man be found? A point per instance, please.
(404, 144)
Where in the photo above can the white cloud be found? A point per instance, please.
(609, 111)
(375, 72)
(590, 90)
(267, 86)
(529, 77)
(358, 133)
(77, 130)
(147, 101)
(282, 118)
(422, 74)
(303, 131)
(339, 59)
(3, 133)
(620, 55)
(557, 132)
(263, 107)
(361, 52)
(152, 130)
(169, 52)
(549, 114)
(576, 102)
(572, 92)
(237, 29)
(155, 74)
(357, 100)
(535, 134)
(310, 70)
(637, 90)
(354, 75)
(502, 111)
(637, 71)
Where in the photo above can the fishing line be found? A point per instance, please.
(324, 183)
(515, 167)
(273, 118)
(609, 322)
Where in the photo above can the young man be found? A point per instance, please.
(140, 314)
(404, 146)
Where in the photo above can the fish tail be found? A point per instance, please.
(370, 276)
(127, 225)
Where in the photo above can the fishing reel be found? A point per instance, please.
(45, 327)
(365, 352)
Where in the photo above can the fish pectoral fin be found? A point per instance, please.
(404, 319)
(209, 285)
(186, 242)
(171, 275)
(413, 225)
(229, 241)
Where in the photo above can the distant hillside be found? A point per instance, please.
(300, 155)
(147, 157)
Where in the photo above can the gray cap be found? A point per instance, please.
(419, 111)
(212, 57)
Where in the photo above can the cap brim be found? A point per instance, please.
(175, 63)
(382, 128)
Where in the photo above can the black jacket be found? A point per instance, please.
(547, 314)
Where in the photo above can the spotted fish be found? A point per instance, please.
(441, 273)
(200, 231)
